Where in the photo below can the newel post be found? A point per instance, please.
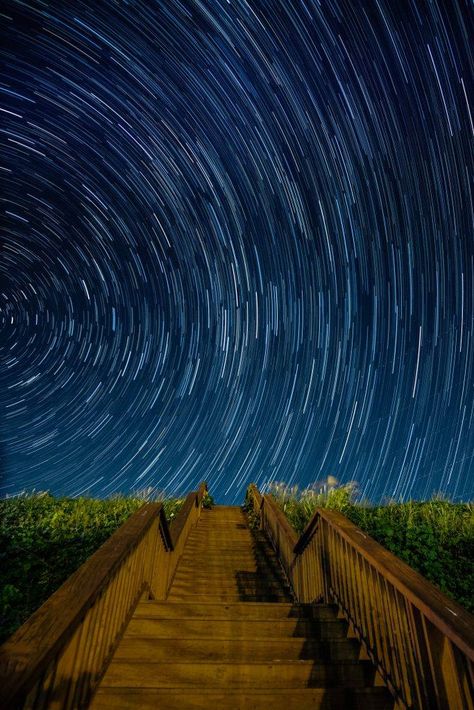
(161, 558)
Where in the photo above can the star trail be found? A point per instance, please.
(237, 245)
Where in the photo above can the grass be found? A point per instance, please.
(435, 537)
(44, 539)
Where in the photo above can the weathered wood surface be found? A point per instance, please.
(421, 641)
(230, 634)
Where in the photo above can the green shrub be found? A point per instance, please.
(207, 500)
(435, 537)
(252, 515)
(44, 539)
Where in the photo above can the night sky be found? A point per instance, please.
(237, 245)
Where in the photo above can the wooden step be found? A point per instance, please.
(187, 573)
(232, 531)
(223, 573)
(217, 510)
(227, 556)
(229, 636)
(220, 544)
(227, 534)
(221, 547)
(243, 580)
(232, 627)
(215, 553)
(248, 567)
(229, 576)
(274, 674)
(218, 593)
(246, 610)
(245, 590)
(228, 553)
(232, 575)
(222, 560)
(249, 699)
(228, 598)
(235, 648)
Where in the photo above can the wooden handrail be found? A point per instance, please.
(60, 653)
(35, 644)
(283, 521)
(448, 616)
(192, 500)
(421, 641)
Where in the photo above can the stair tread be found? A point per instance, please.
(248, 610)
(248, 699)
(289, 621)
(236, 648)
(373, 690)
(225, 627)
(308, 662)
(275, 673)
(298, 605)
(228, 597)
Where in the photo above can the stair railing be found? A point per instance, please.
(57, 658)
(181, 526)
(421, 642)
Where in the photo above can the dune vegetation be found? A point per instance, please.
(44, 539)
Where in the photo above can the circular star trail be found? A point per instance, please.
(237, 245)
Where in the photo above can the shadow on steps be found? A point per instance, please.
(268, 582)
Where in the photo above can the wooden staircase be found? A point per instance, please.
(231, 636)
(208, 612)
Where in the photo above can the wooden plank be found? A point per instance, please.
(204, 698)
(263, 674)
(249, 610)
(235, 648)
(228, 627)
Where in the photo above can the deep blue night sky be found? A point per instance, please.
(237, 245)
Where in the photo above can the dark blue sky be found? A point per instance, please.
(237, 245)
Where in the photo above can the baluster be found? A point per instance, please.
(449, 690)
(373, 622)
(364, 613)
(386, 657)
(80, 679)
(391, 636)
(65, 672)
(400, 644)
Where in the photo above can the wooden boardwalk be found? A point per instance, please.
(230, 636)
(211, 612)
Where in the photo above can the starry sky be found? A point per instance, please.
(237, 245)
